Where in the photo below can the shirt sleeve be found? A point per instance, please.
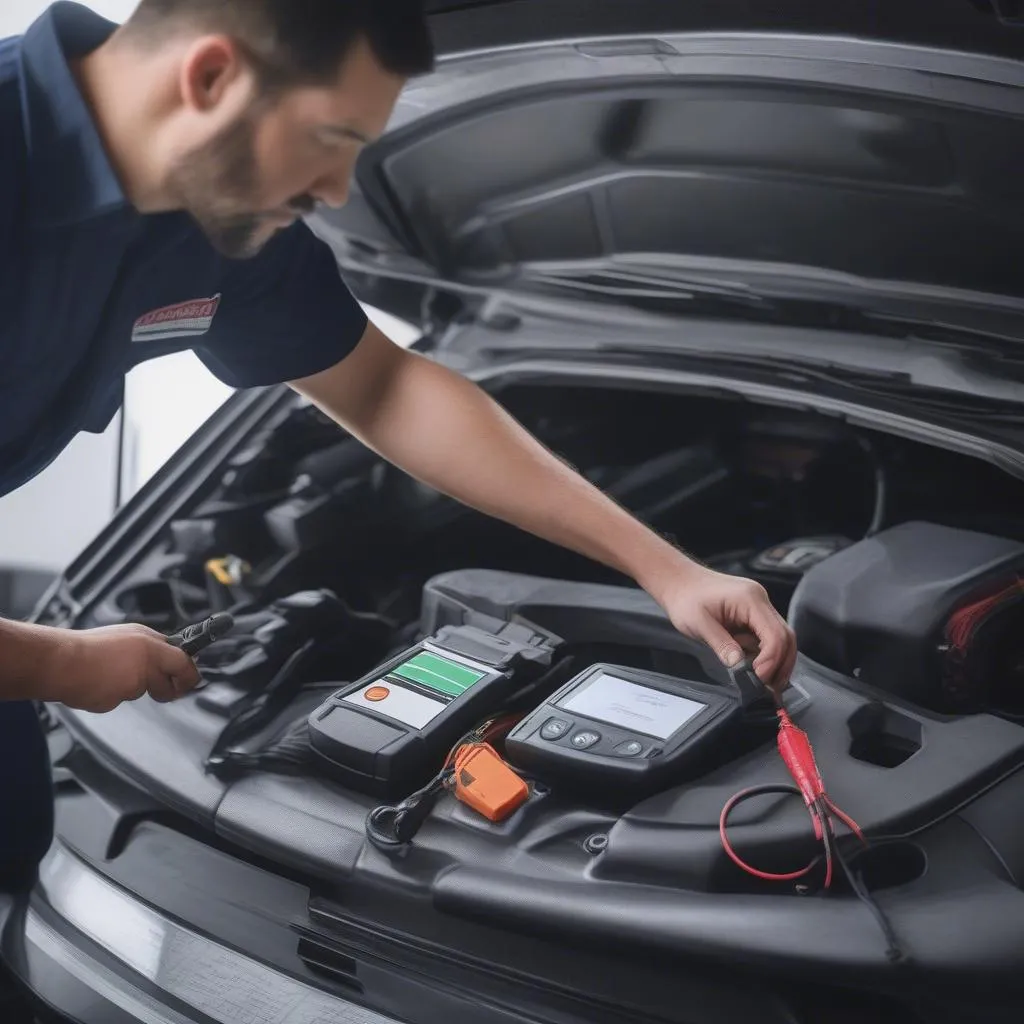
(284, 314)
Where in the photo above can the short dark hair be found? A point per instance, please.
(302, 40)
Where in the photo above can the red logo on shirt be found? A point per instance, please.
(184, 320)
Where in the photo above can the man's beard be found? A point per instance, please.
(217, 184)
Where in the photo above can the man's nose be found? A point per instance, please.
(332, 190)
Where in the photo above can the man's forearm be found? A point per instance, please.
(27, 656)
(449, 434)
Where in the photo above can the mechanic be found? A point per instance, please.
(153, 179)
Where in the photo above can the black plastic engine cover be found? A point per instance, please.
(878, 610)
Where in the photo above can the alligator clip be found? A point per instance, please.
(798, 756)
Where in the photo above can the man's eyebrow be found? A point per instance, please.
(348, 132)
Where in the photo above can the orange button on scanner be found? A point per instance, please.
(377, 693)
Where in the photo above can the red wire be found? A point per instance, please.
(485, 733)
(735, 858)
(845, 819)
(796, 747)
(799, 757)
(963, 622)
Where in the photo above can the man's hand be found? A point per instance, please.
(98, 669)
(735, 618)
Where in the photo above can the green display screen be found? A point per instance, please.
(439, 674)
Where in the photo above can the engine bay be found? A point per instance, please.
(301, 510)
(416, 677)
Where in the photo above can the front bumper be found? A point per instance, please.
(140, 915)
(91, 952)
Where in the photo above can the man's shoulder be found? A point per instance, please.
(12, 129)
(10, 88)
(10, 52)
(283, 315)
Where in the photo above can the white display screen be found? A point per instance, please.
(616, 701)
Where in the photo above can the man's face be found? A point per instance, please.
(273, 163)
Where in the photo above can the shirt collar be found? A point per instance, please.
(70, 175)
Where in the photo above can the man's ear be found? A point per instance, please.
(212, 71)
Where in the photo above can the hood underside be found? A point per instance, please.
(859, 152)
(981, 26)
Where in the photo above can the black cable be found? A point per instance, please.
(828, 839)
(390, 828)
(894, 951)
(833, 855)
(375, 617)
(258, 710)
(291, 754)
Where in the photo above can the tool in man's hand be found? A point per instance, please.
(196, 638)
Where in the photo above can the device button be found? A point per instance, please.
(554, 728)
(586, 738)
(630, 748)
(377, 693)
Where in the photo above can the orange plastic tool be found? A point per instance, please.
(483, 781)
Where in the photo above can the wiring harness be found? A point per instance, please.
(982, 666)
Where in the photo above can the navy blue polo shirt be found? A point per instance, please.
(89, 288)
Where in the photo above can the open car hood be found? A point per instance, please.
(853, 150)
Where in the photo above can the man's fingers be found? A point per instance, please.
(774, 665)
(774, 662)
(175, 662)
(165, 689)
(177, 674)
(767, 669)
(162, 689)
(786, 674)
(721, 641)
(748, 641)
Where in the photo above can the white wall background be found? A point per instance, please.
(16, 15)
(47, 522)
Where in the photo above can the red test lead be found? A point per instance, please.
(797, 754)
